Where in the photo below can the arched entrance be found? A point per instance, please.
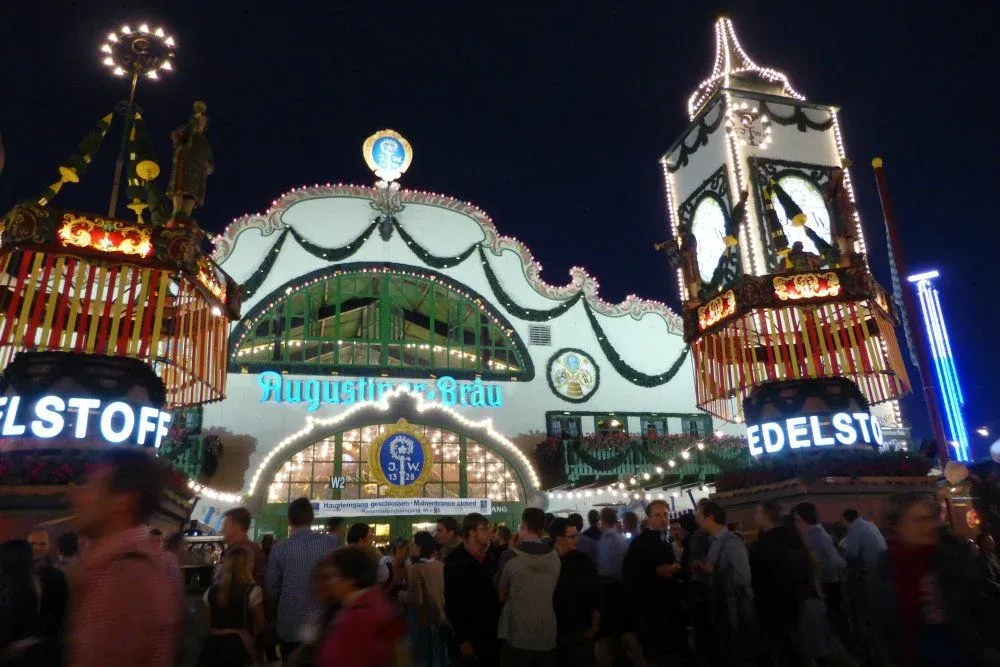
(329, 460)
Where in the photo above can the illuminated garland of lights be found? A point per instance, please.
(848, 182)
(944, 363)
(212, 494)
(734, 160)
(731, 59)
(672, 219)
(384, 405)
(271, 221)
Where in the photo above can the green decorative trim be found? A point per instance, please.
(632, 375)
(332, 254)
(603, 465)
(436, 261)
(260, 274)
(529, 314)
(254, 282)
(552, 386)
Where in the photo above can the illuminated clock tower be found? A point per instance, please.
(780, 308)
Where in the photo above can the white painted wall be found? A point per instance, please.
(646, 343)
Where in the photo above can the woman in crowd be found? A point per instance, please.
(366, 631)
(20, 598)
(235, 609)
(424, 600)
(929, 594)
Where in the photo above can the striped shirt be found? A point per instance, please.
(126, 608)
(289, 578)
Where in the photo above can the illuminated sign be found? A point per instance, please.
(806, 286)
(315, 393)
(52, 416)
(716, 310)
(842, 428)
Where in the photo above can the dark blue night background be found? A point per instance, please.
(548, 115)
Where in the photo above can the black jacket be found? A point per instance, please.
(577, 594)
(782, 574)
(647, 552)
(470, 600)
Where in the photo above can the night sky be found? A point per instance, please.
(549, 115)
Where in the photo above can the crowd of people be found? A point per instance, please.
(688, 590)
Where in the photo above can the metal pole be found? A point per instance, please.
(911, 313)
(120, 163)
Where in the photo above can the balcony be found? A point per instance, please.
(617, 455)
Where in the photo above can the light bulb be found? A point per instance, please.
(143, 28)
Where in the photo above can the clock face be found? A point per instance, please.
(709, 227)
(810, 199)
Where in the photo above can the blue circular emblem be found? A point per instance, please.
(401, 458)
(388, 153)
(572, 362)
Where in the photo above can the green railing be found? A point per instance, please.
(195, 456)
(617, 457)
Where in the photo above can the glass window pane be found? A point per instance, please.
(451, 490)
(300, 490)
(450, 472)
(277, 493)
(432, 490)
(350, 491)
(322, 472)
(477, 490)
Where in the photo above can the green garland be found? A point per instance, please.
(261, 273)
(604, 465)
(530, 314)
(332, 254)
(632, 375)
(436, 261)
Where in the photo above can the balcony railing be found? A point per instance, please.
(195, 456)
(605, 456)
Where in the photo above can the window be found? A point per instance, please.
(700, 425)
(373, 320)
(654, 425)
(564, 426)
(308, 472)
(610, 424)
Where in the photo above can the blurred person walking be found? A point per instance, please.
(832, 568)
(55, 596)
(928, 596)
(126, 609)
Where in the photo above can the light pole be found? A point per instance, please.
(944, 360)
(134, 53)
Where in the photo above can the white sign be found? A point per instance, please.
(843, 428)
(401, 507)
(52, 416)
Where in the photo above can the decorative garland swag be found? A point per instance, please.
(636, 377)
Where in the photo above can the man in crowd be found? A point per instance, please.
(728, 566)
(55, 591)
(499, 544)
(125, 608)
(615, 605)
(361, 535)
(289, 573)
(587, 543)
(649, 570)
(677, 535)
(337, 527)
(446, 534)
(831, 567)
(68, 548)
(526, 583)
(471, 602)
(864, 543)
(235, 526)
(863, 546)
(782, 581)
(576, 600)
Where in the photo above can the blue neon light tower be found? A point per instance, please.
(944, 361)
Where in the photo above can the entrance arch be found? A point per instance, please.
(477, 443)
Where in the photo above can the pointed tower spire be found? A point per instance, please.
(734, 68)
